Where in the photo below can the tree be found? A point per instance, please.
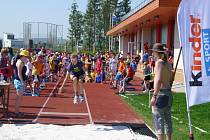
(126, 5)
(97, 23)
(108, 9)
(76, 25)
(91, 28)
(123, 7)
(91, 23)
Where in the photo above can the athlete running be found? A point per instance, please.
(76, 72)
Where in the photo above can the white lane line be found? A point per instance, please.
(175, 118)
(88, 108)
(37, 117)
(64, 114)
(150, 129)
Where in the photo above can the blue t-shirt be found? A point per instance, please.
(76, 70)
(145, 57)
(134, 66)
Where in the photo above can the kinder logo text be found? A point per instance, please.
(195, 41)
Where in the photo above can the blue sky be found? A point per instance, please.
(14, 12)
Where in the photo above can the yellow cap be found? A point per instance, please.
(24, 53)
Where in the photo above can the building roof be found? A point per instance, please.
(147, 14)
(8, 33)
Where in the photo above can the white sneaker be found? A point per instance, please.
(145, 91)
(76, 99)
(81, 98)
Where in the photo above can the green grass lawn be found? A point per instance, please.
(200, 115)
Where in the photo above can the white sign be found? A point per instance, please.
(194, 33)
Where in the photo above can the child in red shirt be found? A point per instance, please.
(130, 74)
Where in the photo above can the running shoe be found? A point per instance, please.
(41, 87)
(76, 99)
(81, 98)
(36, 94)
(145, 91)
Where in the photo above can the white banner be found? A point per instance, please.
(194, 33)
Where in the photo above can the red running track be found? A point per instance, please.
(102, 106)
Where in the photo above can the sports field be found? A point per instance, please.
(200, 115)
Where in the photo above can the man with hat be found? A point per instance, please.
(161, 101)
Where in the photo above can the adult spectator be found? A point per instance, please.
(4, 63)
(20, 78)
(161, 101)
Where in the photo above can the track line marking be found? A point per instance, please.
(88, 108)
(64, 114)
(175, 118)
(38, 115)
(150, 129)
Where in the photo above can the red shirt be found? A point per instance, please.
(130, 72)
(99, 66)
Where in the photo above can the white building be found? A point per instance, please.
(153, 21)
(9, 41)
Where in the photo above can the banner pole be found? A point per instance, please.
(177, 62)
(191, 136)
(190, 123)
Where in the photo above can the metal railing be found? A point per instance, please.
(136, 9)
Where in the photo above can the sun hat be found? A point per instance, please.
(24, 53)
(158, 47)
(40, 53)
(21, 49)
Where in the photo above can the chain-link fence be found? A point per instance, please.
(36, 34)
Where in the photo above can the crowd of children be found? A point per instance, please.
(45, 65)
(32, 68)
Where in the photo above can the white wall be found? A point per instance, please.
(125, 45)
(7, 43)
(13, 43)
(177, 47)
(120, 43)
